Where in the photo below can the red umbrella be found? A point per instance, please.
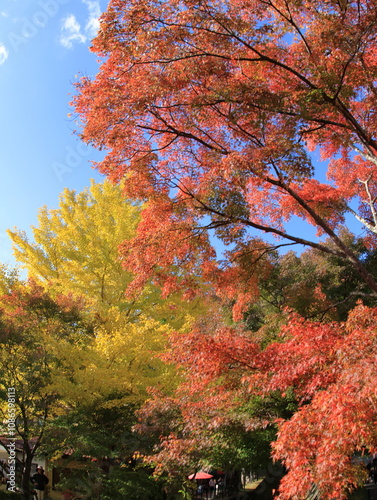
(200, 475)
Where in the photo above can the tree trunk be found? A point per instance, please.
(26, 485)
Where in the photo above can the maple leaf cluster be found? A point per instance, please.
(327, 368)
(332, 369)
(211, 111)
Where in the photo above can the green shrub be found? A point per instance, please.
(133, 485)
(9, 495)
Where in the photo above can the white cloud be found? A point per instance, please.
(92, 24)
(4, 14)
(71, 32)
(3, 53)
(71, 29)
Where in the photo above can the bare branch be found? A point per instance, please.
(368, 156)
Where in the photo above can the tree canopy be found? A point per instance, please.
(76, 250)
(75, 254)
(211, 111)
(315, 381)
(31, 323)
(234, 120)
(75, 246)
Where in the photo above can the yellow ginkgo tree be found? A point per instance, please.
(103, 381)
(75, 249)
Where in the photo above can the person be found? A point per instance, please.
(373, 471)
(219, 485)
(212, 484)
(40, 480)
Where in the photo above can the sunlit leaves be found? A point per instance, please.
(210, 112)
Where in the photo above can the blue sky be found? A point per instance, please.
(43, 49)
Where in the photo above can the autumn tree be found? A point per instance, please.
(208, 431)
(102, 384)
(211, 112)
(75, 249)
(315, 381)
(329, 366)
(317, 285)
(239, 383)
(65, 374)
(75, 246)
(214, 419)
(74, 390)
(30, 322)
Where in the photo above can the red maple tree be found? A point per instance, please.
(327, 367)
(212, 111)
(331, 368)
